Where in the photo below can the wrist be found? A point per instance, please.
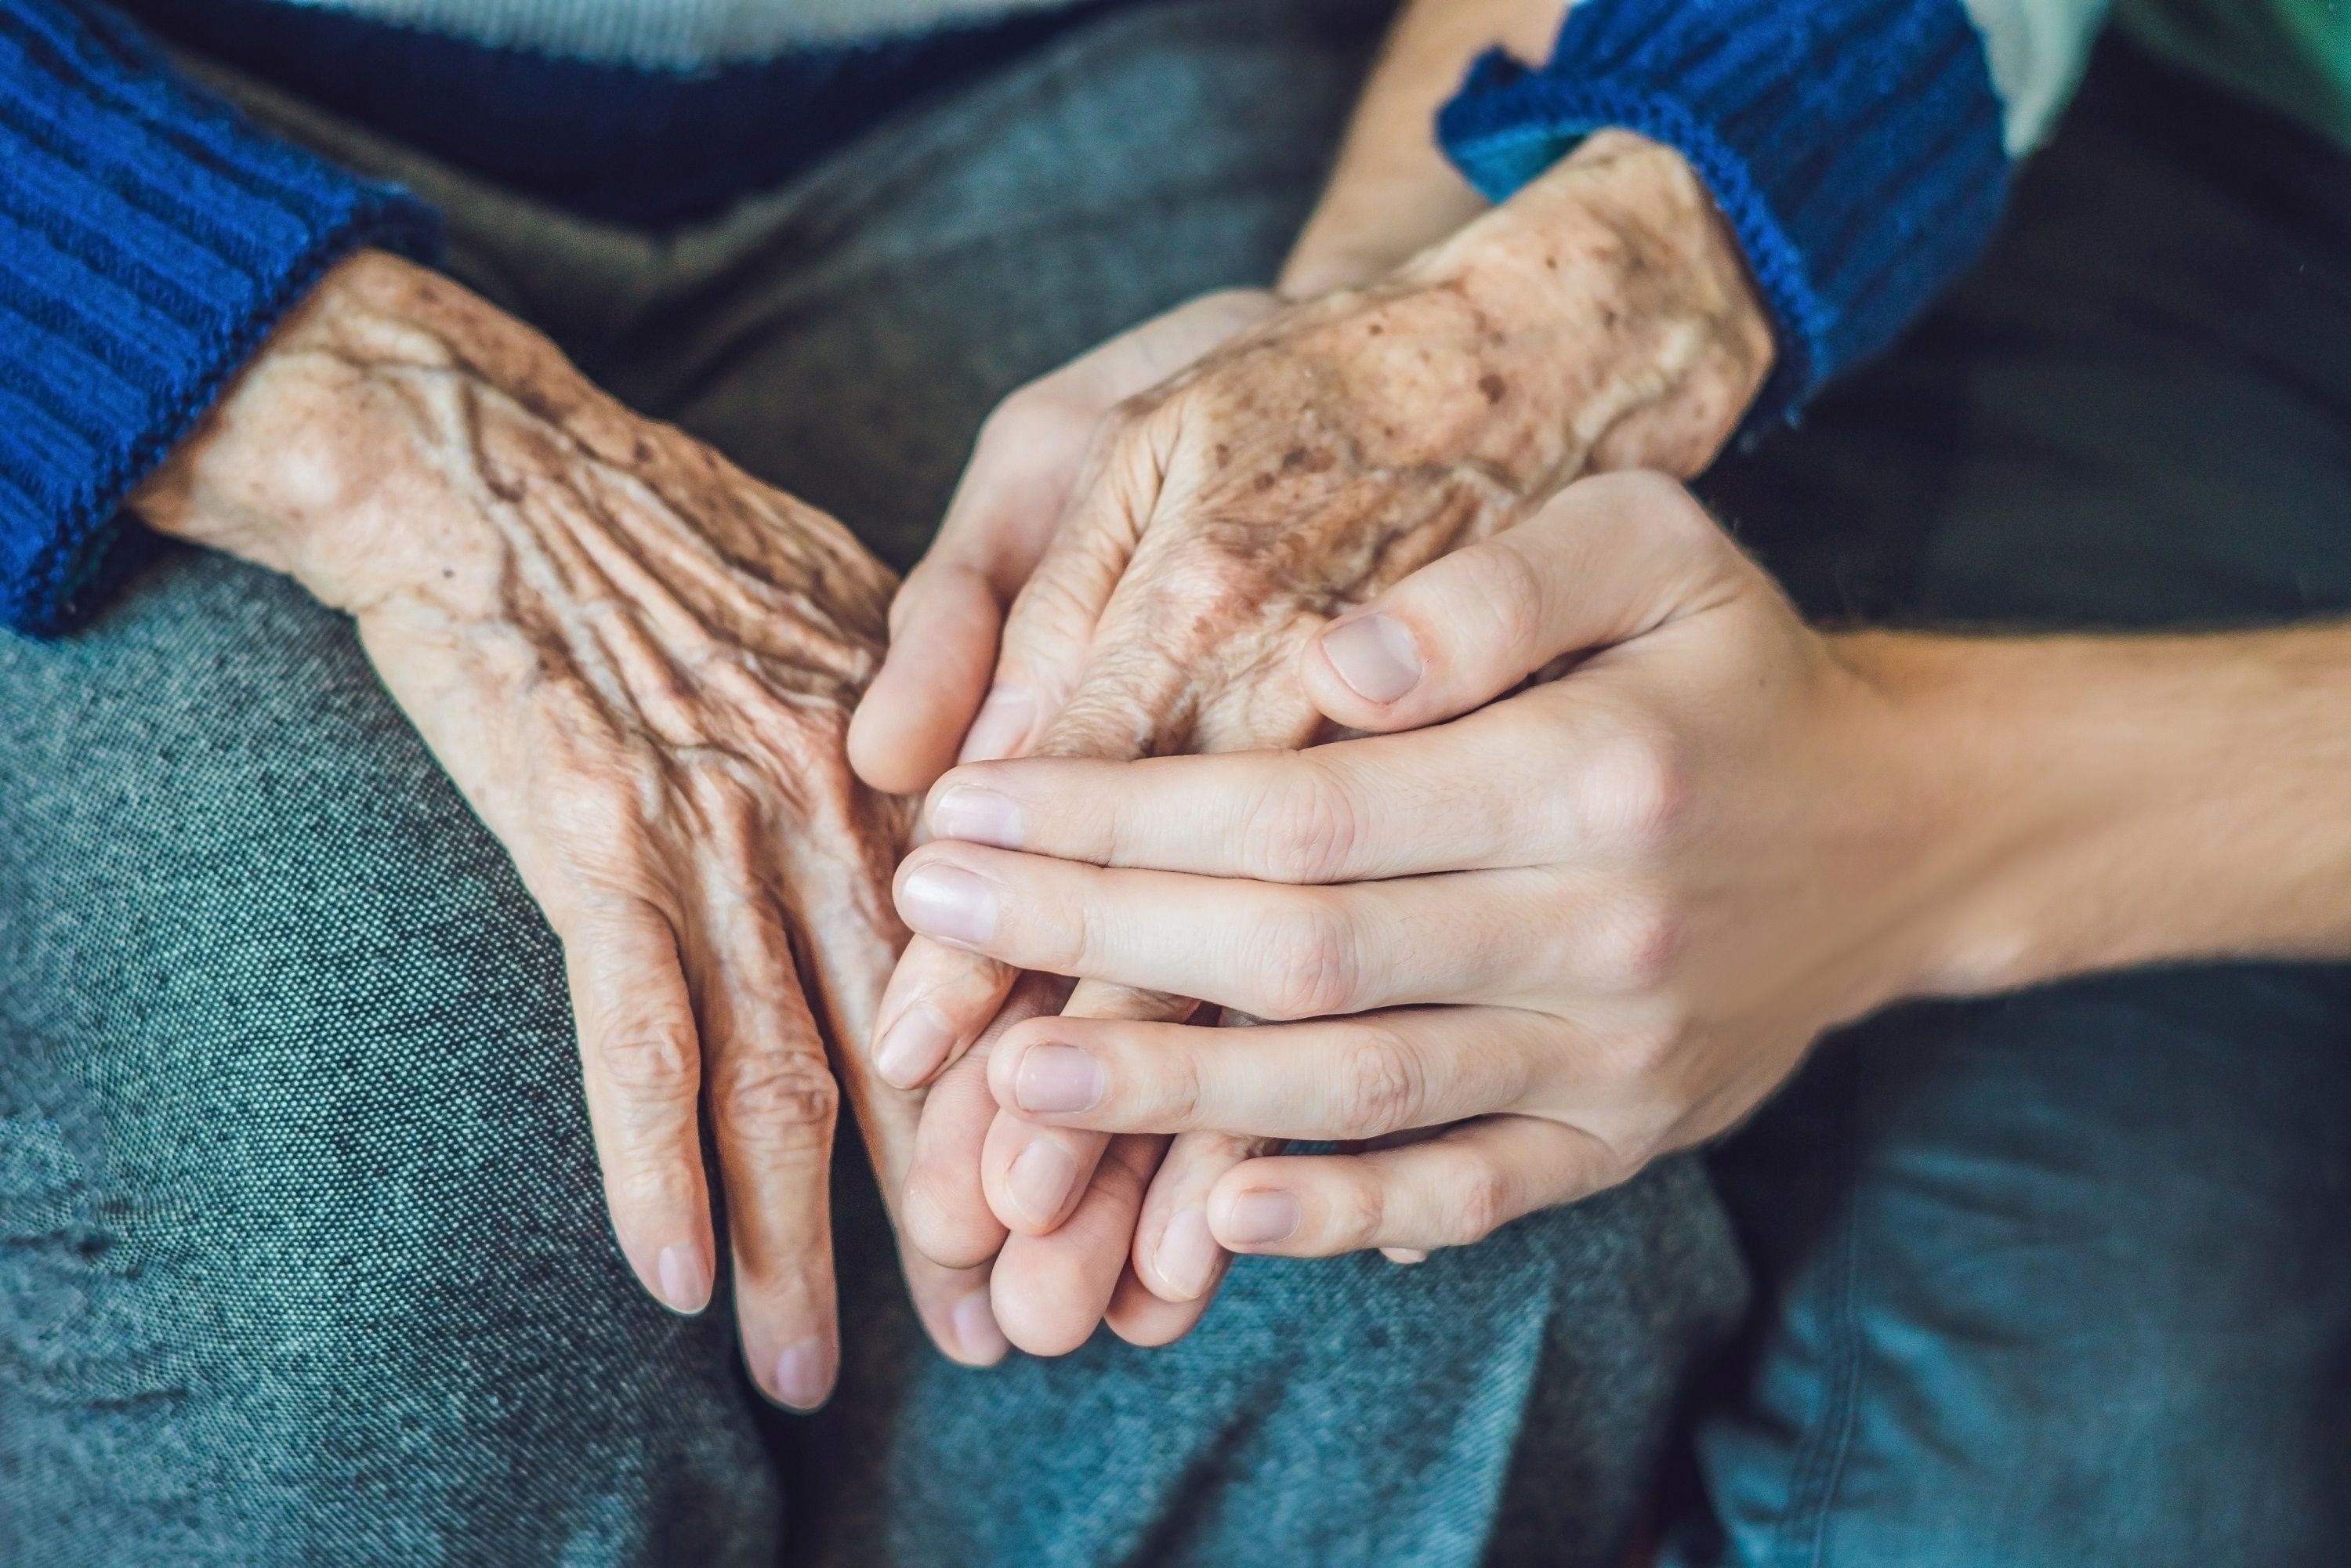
(2084, 803)
(1944, 770)
(1620, 278)
(302, 463)
(1394, 192)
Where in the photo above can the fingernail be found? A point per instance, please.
(913, 1047)
(1040, 1179)
(982, 815)
(1261, 1218)
(1374, 656)
(684, 1282)
(1187, 1255)
(1404, 1255)
(1059, 1078)
(950, 903)
(1001, 725)
(804, 1375)
(975, 1329)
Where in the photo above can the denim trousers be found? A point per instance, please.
(302, 1251)
(2065, 1278)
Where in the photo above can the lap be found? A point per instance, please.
(295, 1172)
(1505, 1404)
(304, 1250)
(2063, 1276)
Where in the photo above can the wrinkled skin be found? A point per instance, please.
(638, 665)
(1656, 879)
(1221, 519)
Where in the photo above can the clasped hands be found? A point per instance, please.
(1210, 527)
(1530, 931)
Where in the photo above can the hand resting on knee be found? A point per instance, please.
(638, 663)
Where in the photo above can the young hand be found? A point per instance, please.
(1526, 950)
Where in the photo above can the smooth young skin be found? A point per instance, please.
(637, 664)
(1535, 947)
(1222, 518)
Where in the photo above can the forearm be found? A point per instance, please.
(2132, 800)
(1393, 193)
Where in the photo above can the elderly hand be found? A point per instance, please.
(1602, 319)
(1529, 949)
(637, 664)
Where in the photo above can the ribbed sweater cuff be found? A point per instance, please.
(1853, 145)
(149, 239)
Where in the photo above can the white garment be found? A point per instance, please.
(2036, 49)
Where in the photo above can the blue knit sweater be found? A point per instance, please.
(149, 236)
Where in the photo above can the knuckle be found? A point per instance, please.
(785, 1103)
(1634, 943)
(655, 1064)
(1359, 1217)
(1632, 794)
(1379, 1084)
(1646, 1051)
(1509, 593)
(1303, 828)
(1303, 958)
(1478, 1206)
(1181, 1090)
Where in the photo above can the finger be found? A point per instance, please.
(945, 1211)
(1448, 1191)
(1117, 473)
(1141, 1319)
(1176, 1257)
(1610, 559)
(1050, 1291)
(1464, 796)
(640, 1058)
(1050, 628)
(773, 1103)
(946, 622)
(1363, 1077)
(844, 976)
(938, 1001)
(1274, 951)
(1035, 1176)
(911, 721)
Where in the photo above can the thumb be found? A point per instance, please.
(1608, 560)
(1025, 470)
(911, 720)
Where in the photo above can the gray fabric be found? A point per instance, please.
(301, 1251)
(2066, 1277)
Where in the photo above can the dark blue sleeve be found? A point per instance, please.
(1854, 145)
(149, 239)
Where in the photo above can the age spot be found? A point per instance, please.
(1494, 386)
